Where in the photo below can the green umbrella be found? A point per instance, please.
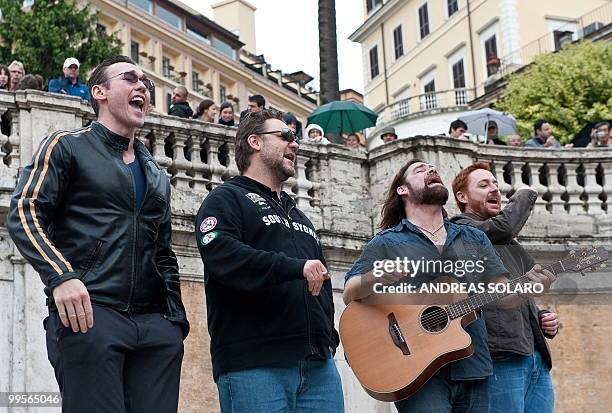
(343, 116)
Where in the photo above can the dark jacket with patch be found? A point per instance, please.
(74, 215)
(254, 247)
(516, 330)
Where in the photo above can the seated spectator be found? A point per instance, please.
(601, 136)
(256, 103)
(30, 82)
(291, 121)
(515, 140)
(180, 107)
(17, 71)
(5, 77)
(457, 129)
(206, 111)
(492, 131)
(352, 141)
(314, 134)
(543, 137)
(388, 135)
(226, 114)
(69, 83)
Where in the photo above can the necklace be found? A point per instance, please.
(431, 235)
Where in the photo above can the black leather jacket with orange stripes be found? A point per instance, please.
(74, 215)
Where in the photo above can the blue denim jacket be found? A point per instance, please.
(462, 243)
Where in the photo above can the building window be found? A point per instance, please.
(198, 36)
(134, 50)
(461, 97)
(429, 101)
(490, 46)
(169, 17)
(165, 67)
(222, 93)
(452, 6)
(100, 28)
(374, 62)
(423, 21)
(561, 37)
(195, 81)
(398, 42)
(372, 4)
(224, 48)
(146, 5)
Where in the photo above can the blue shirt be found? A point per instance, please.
(140, 183)
(64, 86)
(462, 243)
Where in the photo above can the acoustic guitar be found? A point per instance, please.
(394, 349)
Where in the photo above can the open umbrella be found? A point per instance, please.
(343, 116)
(477, 121)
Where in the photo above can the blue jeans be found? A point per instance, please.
(443, 395)
(521, 384)
(311, 385)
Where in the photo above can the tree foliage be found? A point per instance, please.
(569, 88)
(45, 34)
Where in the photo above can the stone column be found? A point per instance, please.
(592, 189)
(556, 190)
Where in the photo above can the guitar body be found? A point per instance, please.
(397, 342)
(381, 364)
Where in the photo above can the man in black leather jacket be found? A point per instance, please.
(521, 381)
(91, 213)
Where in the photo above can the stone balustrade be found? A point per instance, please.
(340, 190)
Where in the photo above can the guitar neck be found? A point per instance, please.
(476, 301)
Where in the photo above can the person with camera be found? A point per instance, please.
(600, 137)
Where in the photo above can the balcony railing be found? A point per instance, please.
(584, 26)
(454, 98)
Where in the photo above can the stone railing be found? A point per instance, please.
(432, 101)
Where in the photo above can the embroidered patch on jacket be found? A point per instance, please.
(208, 223)
(207, 239)
(258, 200)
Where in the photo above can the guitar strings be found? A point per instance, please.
(442, 315)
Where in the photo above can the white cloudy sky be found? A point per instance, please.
(287, 35)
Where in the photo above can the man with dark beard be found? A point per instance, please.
(521, 359)
(268, 292)
(414, 226)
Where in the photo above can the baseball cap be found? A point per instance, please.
(71, 61)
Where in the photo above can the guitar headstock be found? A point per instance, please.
(585, 259)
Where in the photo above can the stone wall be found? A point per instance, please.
(341, 191)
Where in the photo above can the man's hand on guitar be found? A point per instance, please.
(392, 277)
(541, 276)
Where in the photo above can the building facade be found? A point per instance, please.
(426, 60)
(175, 45)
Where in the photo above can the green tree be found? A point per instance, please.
(569, 88)
(43, 35)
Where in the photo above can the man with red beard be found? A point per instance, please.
(268, 292)
(414, 226)
(521, 359)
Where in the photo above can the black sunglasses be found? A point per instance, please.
(286, 134)
(132, 77)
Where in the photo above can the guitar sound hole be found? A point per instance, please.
(434, 319)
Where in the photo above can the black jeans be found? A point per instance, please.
(127, 363)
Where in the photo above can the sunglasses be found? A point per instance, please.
(286, 134)
(132, 77)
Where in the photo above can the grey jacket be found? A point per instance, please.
(514, 330)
